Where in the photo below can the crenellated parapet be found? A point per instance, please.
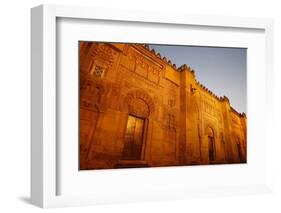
(187, 68)
(183, 68)
(241, 115)
(158, 55)
(206, 89)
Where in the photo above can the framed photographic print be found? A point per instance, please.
(130, 106)
(151, 108)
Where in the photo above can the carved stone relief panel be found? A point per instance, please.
(169, 118)
(131, 79)
(92, 95)
(171, 99)
(211, 110)
(104, 54)
(143, 67)
(154, 74)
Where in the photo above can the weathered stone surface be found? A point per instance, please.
(138, 110)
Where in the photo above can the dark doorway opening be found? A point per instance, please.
(133, 138)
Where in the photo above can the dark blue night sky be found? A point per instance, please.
(222, 70)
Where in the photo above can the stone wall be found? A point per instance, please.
(179, 117)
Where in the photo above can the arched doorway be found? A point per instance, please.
(133, 138)
(211, 144)
(138, 113)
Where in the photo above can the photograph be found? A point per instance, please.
(160, 105)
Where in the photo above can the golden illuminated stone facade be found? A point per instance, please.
(139, 110)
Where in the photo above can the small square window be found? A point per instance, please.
(99, 71)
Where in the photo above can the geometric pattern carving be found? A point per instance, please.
(140, 94)
(210, 130)
(138, 108)
(91, 96)
(171, 121)
(104, 54)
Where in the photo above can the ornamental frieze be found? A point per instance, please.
(145, 68)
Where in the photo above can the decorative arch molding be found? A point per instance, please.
(210, 126)
(139, 108)
(103, 54)
(138, 102)
(211, 142)
(210, 132)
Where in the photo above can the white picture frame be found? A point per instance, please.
(44, 149)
